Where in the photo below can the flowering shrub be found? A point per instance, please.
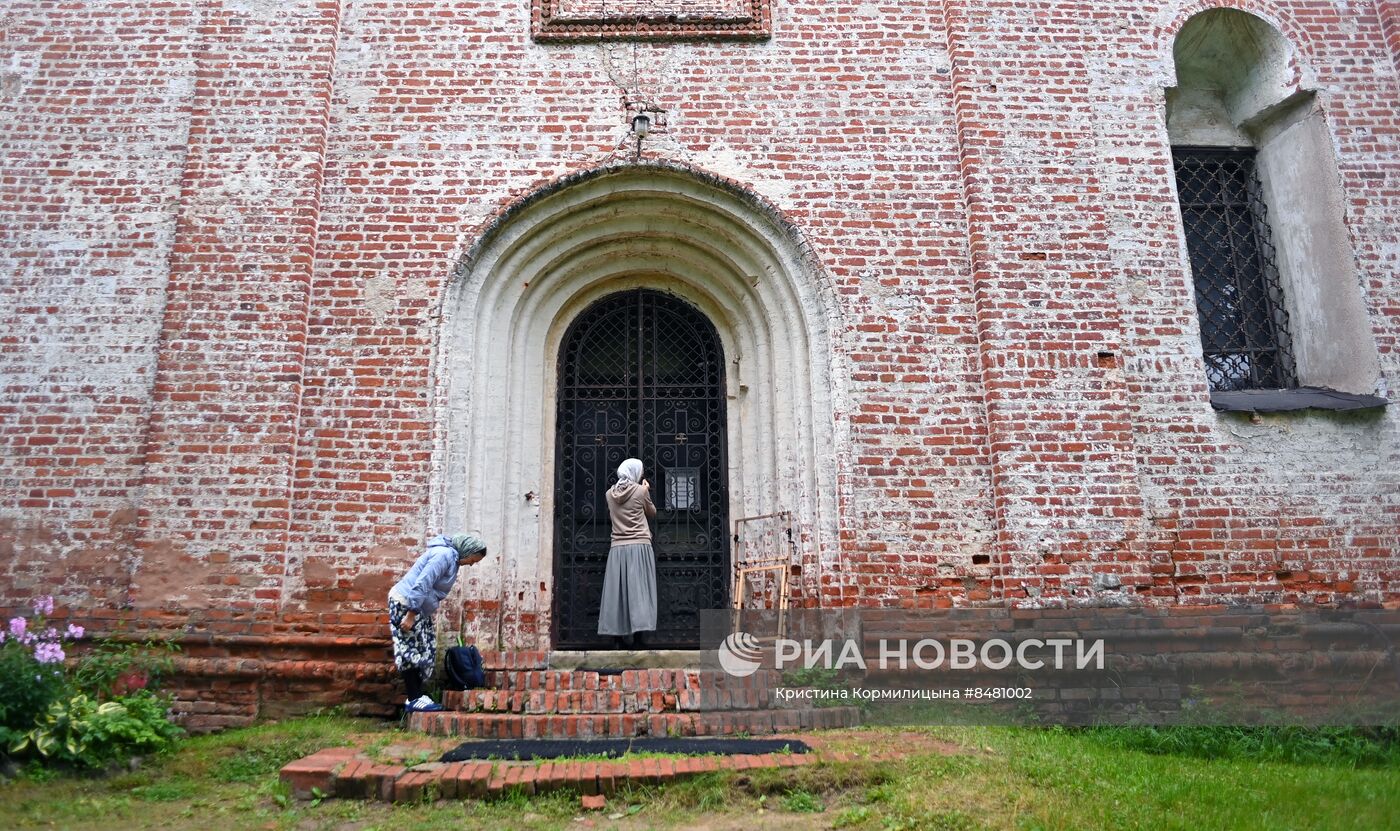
(31, 670)
(104, 712)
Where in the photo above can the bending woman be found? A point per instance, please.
(629, 583)
(414, 600)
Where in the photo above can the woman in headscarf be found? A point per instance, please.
(413, 601)
(629, 582)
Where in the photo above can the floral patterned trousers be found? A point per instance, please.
(418, 646)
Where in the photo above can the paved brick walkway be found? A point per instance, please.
(347, 772)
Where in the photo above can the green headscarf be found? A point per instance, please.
(467, 544)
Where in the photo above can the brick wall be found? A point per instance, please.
(96, 105)
(227, 229)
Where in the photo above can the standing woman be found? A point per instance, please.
(412, 603)
(629, 583)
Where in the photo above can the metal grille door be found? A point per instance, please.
(1244, 323)
(641, 374)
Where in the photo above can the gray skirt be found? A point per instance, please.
(629, 591)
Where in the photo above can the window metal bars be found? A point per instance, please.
(1245, 333)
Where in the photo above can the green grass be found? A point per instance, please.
(1047, 779)
(999, 778)
(168, 790)
(255, 753)
(1337, 746)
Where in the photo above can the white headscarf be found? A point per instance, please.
(629, 473)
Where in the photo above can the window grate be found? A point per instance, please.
(1244, 323)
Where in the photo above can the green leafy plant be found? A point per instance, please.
(80, 731)
(58, 734)
(139, 724)
(114, 668)
(822, 679)
(853, 816)
(803, 802)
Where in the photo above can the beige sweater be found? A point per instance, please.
(629, 508)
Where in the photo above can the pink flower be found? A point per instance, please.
(17, 626)
(75, 631)
(48, 653)
(44, 605)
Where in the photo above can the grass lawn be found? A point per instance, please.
(946, 778)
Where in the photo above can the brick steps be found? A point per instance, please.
(542, 702)
(523, 698)
(628, 680)
(343, 772)
(623, 725)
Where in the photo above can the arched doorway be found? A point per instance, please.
(641, 373)
(542, 264)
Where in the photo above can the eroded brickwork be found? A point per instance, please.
(228, 229)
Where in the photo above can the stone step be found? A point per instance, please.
(598, 659)
(544, 702)
(629, 658)
(514, 660)
(621, 725)
(631, 680)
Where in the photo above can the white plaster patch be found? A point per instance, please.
(379, 296)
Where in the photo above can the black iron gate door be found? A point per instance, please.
(641, 374)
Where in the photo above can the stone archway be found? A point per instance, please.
(534, 271)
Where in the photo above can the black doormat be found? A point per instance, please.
(527, 749)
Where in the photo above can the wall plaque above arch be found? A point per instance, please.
(592, 20)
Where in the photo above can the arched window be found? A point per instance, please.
(1277, 292)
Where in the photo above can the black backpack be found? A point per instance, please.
(464, 669)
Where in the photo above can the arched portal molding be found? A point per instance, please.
(537, 266)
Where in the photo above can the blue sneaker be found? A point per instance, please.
(422, 704)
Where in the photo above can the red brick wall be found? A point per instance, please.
(227, 227)
(96, 106)
(1390, 25)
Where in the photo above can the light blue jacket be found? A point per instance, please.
(430, 579)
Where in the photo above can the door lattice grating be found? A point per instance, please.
(641, 373)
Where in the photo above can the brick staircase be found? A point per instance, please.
(526, 698)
